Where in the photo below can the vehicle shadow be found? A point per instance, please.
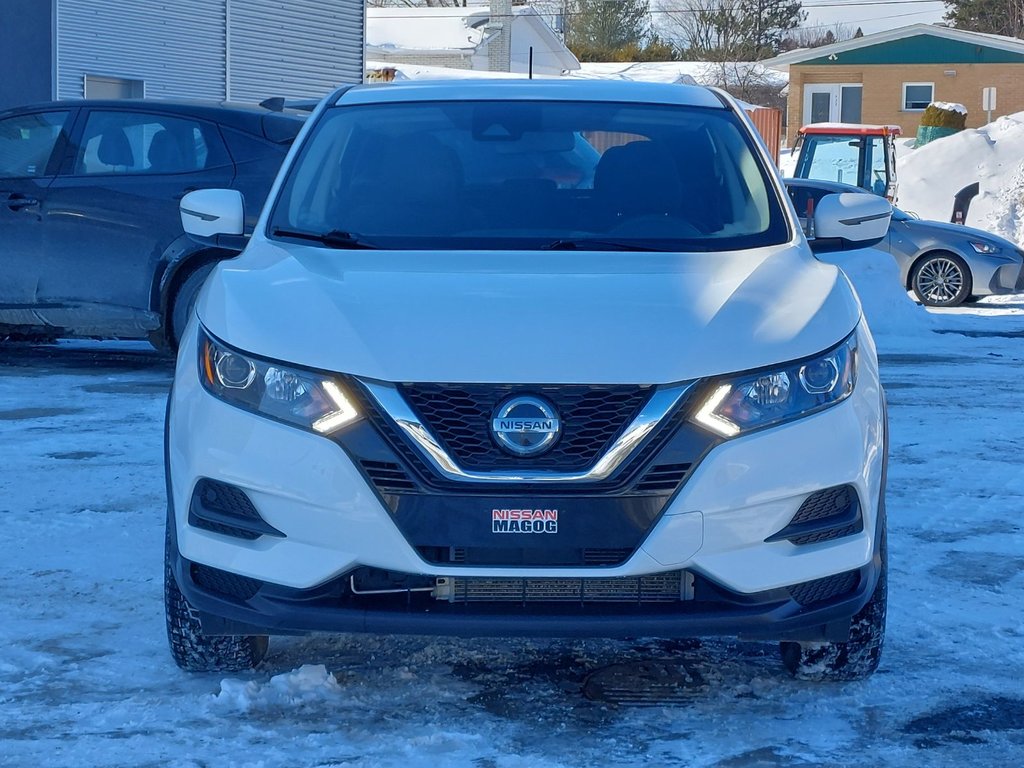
(103, 357)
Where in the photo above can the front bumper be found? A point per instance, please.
(715, 528)
(997, 276)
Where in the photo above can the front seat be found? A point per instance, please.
(635, 180)
(114, 149)
(165, 155)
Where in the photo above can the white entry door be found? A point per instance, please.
(821, 104)
(832, 103)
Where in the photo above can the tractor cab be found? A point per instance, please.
(862, 155)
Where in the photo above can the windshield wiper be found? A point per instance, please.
(333, 239)
(587, 244)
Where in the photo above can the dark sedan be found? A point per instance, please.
(91, 242)
(943, 264)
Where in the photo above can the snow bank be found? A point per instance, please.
(890, 312)
(992, 155)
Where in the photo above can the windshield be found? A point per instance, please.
(529, 175)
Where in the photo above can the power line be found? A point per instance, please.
(462, 12)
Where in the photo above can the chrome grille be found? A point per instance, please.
(459, 416)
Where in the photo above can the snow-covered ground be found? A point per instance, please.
(86, 680)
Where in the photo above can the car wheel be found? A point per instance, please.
(854, 659)
(941, 280)
(183, 301)
(192, 650)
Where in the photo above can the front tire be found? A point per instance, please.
(182, 304)
(192, 650)
(855, 659)
(941, 280)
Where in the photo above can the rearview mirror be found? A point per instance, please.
(214, 217)
(850, 220)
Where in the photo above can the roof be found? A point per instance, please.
(850, 129)
(836, 186)
(425, 29)
(404, 71)
(546, 89)
(1010, 45)
(451, 29)
(683, 72)
(246, 117)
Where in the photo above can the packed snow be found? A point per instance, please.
(992, 155)
(86, 679)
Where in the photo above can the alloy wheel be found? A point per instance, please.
(940, 280)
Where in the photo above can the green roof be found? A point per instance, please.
(920, 49)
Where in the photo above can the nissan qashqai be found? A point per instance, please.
(528, 358)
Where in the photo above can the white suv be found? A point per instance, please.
(528, 358)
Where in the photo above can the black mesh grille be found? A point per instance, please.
(822, 504)
(224, 583)
(459, 415)
(825, 515)
(832, 533)
(388, 477)
(820, 590)
(225, 500)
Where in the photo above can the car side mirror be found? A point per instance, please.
(215, 217)
(850, 220)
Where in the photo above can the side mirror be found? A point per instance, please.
(850, 220)
(215, 217)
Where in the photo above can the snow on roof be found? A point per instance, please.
(426, 29)
(449, 28)
(684, 72)
(950, 106)
(424, 72)
(1001, 42)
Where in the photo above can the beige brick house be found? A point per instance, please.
(890, 77)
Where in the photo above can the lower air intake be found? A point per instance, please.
(820, 590)
(224, 583)
(660, 588)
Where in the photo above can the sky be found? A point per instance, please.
(873, 15)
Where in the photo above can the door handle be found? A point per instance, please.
(16, 202)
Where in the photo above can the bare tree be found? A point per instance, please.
(817, 36)
(729, 30)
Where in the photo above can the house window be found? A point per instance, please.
(917, 96)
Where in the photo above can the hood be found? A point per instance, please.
(532, 317)
(940, 228)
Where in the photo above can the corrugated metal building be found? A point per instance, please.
(220, 50)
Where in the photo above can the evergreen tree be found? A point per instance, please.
(997, 17)
(732, 30)
(601, 27)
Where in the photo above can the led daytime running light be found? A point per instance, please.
(707, 416)
(345, 414)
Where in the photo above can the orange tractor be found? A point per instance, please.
(861, 155)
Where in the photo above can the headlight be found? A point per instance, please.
(302, 398)
(756, 400)
(981, 247)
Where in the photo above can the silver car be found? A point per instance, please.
(943, 264)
